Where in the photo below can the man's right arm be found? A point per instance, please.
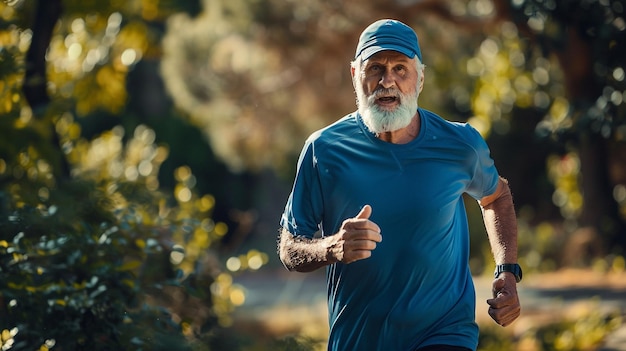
(303, 254)
(355, 240)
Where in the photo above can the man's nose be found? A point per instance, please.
(387, 80)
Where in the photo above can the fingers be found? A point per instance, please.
(365, 213)
(360, 236)
(504, 308)
(497, 286)
(362, 226)
(505, 315)
(359, 245)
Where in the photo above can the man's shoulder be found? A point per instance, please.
(455, 129)
(342, 128)
(439, 121)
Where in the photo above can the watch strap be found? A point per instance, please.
(511, 268)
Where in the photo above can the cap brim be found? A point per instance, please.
(374, 49)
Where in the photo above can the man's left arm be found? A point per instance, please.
(501, 225)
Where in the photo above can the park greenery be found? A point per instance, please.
(137, 138)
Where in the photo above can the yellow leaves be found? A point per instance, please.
(7, 338)
(132, 36)
(7, 105)
(47, 345)
(129, 283)
(187, 329)
(563, 172)
(89, 60)
(253, 260)
(140, 243)
(18, 257)
(220, 229)
(6, 335)
(237, 296)
(182, 193)
(201, 239)
(106, 90)
(226, 295)
(205, 203)
(28, 288)
(503, 82)
(6, 10)
(150, 9)
(559, 111)
(107, 157)
(129, 265)
(619, 264)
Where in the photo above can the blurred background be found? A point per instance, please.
(147, 148)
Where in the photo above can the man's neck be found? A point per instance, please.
(404, 135)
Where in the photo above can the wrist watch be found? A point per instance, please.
(511, 268)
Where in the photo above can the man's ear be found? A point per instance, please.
(352, 73)
(421, 81)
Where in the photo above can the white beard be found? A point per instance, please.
(378, 120)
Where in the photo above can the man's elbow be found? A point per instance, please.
(286, 259)
(284, 241)
(502, 192)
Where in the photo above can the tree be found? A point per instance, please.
(92, 254)
(587, 38)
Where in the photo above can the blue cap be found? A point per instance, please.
(388, 34)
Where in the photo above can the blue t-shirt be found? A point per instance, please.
(416, 288)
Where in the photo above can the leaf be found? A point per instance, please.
(130, 265)
(18, 237)
(6, 335)
(128, 282)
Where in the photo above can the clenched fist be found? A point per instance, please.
(356, 238)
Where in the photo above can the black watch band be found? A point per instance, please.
(511, 268)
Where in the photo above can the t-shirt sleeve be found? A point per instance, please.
(303, 211)
(485, 175)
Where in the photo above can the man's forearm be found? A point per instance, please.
(501, 226)
(304, 254)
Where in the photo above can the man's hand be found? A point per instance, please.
(504, 308)
(356, 238)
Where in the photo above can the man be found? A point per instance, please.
(384, 186)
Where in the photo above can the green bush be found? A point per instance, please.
(584, 333)
(75, 276)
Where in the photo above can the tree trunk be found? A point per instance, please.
(600, 211)
(47, 13)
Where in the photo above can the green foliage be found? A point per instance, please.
(577, 334)
(99, 257)
(492, 339)
(584, 333)
(292, 343)
(595, 30)
(74, 274)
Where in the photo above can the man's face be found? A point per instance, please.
(387, 87)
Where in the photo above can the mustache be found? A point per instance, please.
(385, 92)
